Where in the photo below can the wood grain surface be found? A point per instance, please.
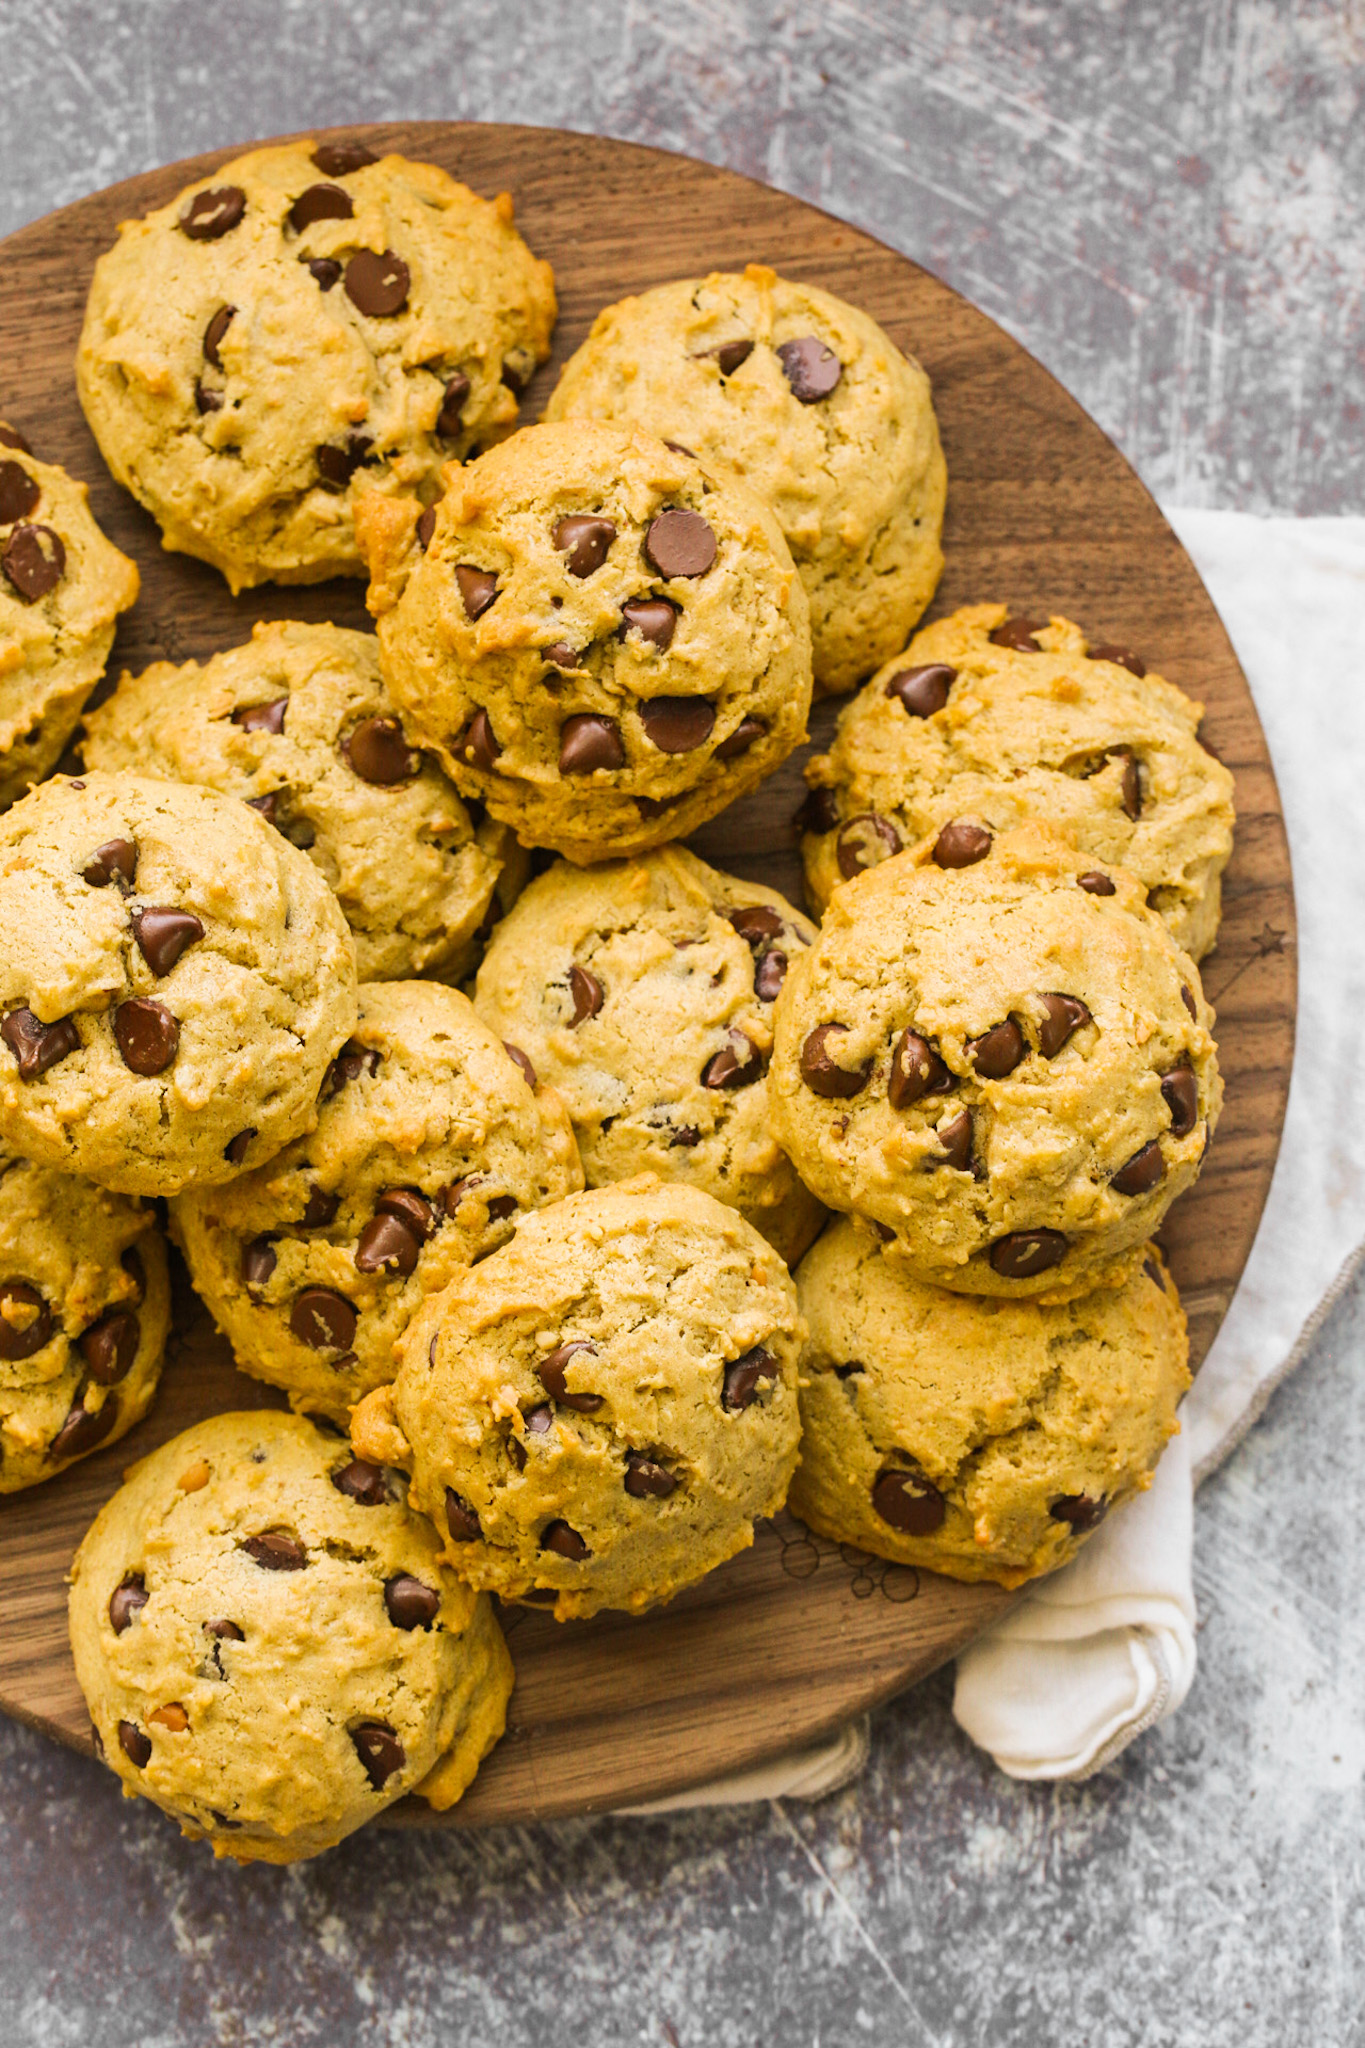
(787, 1641)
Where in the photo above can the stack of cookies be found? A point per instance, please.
(489, 1121)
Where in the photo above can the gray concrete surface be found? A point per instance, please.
(1165, 203)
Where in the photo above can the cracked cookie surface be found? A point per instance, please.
(269, 1644)
(302, 317)
(595, 1416)
(984, 1439)
(812, 403)
(430, 1141)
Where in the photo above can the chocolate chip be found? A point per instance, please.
(324, 270)
(448, 421)
(267, 805)
(738, 1065)
(744, 1376)
(998, 1051)
(587, 993)
(363, 1483)
(411, 1208)
(379, 752)
(1018, 634)
(1026, 1252)
(923, 691)
(819, 812)
(561, 655)
(646, 1479)
(540, 1420)
(258, 1262)
(1095, 884)
(956, 1139)
(236, 1149)
(916, 1070)
(476, 744)
(1180, 1091)
(320, 1209)
(19, 493)
(478, 588)
(585, 541)
(551, 1371)
(740, 740)
(83, 1429)
(381, 1754)
(164, 933)
(587, 741)
(865, 842)
(769, 975)
(34, 560)
(127, 1600)
(1154, 1273)
(1187, 998)
(110, 1344)
(461, 1519)
(10, 437)
(1122, 657)
(262, 717)
(23, 1340)
(812, 369)
(322, 202)
(728, 356)
(1140, 1174)
(350, 1063)
(323, 1319)
(377, 286)
(339, 159)
(387, 1245)
(336, 466)
(409, 1603)
(276, 1552)
(678, 725)
(564, 1541)
(132, 1265)
(35, 1045)
(135, 1743)
(206, 399)
(518, 368)
(1079, 1510)
(116, 860)
(653, 618)
(223, 1631)
(147, 1035)
(214, 332)
(211, 214)
(756, 924)
(961, 844)
(678, 449)
(1062, 1015)
(680, 543)
(1130, 782)
(819, 1071)
(908, 1502)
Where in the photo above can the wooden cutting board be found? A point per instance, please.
(784, 1643)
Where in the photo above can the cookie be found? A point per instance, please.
(643, 992)
(298, 722)
(812, 403)
(84, 1315)
(62, 587)
(175, 979)
(605, 641)
(270, 1646)
(430, 1142)
(595, 1416)
(304, 317)
(984, 1439)
(996, 1052)
(1000, 720)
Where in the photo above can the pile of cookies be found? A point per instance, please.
(490, 1122)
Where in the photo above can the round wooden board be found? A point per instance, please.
(787, 1641)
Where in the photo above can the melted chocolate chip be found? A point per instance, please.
(109, 1345)
(426, 527)
(756, 924)
(324, 270)
(564, 1542)
(769, 975)
(339, 159)
(820, 1072)
(363, 1483)
(409, 1603)
(321, 202)
(812, 370)
(587, 993)
(381, 1754)
(214, 332)
(212, 214)
(411, 1208)
(916, 1070)
(961, 844)
(680, 543)
(236, 1149)
(276, 1552)
(448, 421)
(351, 1062)
(147, 1035)
(1095, 884)
(323, 1319)
(1140, 1174)
(678, 725)
(522, 1060)
(223, 1631)
(320, 1209)
(1079, 1510)
(1154, 1273)
(819, 812)
(1026, 1252)
(737, 1065)
(115, 861)
(865, 842)
(956, 1139)
(1122, 657)
(653, 618)
(34, 561)
(1017, 633)
(728, 356)
(923, 691)
(646, 1479)
(206, 399)
(336, 466)
(587, 742)
(10, 437)
(907, 1501)
(740, 740)
(478, 588)
(258, 1263)
(387, 1245)
(477, 744)
(1187, 998)
(19, 493)
(377, 286)
(267, 805)
(584, 541)
(164, 933)
(1061, 1016)
(22, 1336)
(561, 655)
(744, 1378)
(83, 1429)
(998, 1051)
(1130, 782)
(127, 1601)
(135, 1743)
(262, 717)
(461, 1519)
(1180, 1092)
(35, 1045)
(551, 1371)
(379, 753)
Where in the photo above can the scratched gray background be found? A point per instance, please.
(1166, 201)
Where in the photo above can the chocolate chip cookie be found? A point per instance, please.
(270, 1646)
(595, 1416)
(84, 1313)
(999, 719)
(810, 402)
(997, 1053)
(175, 979)
(432, 1139)
(981, 1439)
(298, 722)
(605, 641)
(643, 991)
(302, 318)
(62, 587)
